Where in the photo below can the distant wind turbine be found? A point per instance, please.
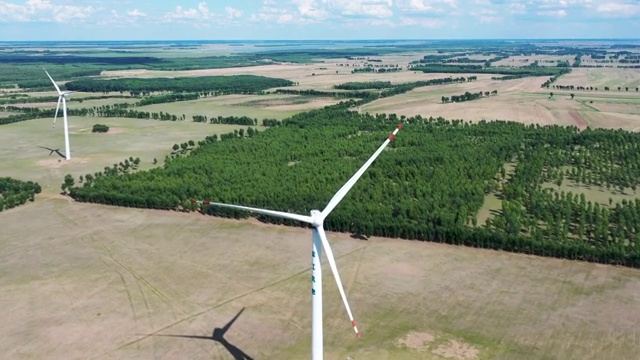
(319, 242)
(62, 97)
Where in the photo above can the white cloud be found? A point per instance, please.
(201, 13)
(361, 8)
(232, 13)
(425, 6)
(619, 9)
(43, 11)
(276, 15)
(129, 18)
(423, 22)
(561, 3)
(517, 8)
(486, 15)
(311, 9)
(135, 13)
(554, 13)
(314, 11)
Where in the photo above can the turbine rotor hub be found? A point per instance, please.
(316, 218)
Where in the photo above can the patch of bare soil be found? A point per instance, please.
(457, 350)
(419, 341)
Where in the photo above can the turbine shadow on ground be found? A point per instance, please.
(218, 336)
(57, 151)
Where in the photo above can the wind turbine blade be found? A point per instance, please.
(346, 187)
(54, 83)
(303, 218)
(336, 275)
(56, 115)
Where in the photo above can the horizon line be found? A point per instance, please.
(339, 40)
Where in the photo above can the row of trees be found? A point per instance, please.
(503, 70)
(550, 81)
(589, 88)
(230, 120)
(15, 192)
(233, 84)
(467, 96)
(438, 172)
(377, 69)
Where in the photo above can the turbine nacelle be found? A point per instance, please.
(316, 218)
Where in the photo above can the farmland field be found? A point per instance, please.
(524, 101)
(253, 106)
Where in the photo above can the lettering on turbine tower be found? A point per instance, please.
(313, 278)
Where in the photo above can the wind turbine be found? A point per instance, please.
(319, 242)
(62, 96)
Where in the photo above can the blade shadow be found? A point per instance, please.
(57, 151)
(218, 336)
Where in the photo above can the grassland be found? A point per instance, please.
(116, 279)
(22, 158)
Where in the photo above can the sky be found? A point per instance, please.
(40, 20)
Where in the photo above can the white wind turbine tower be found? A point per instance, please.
(319, 242)
(62, 96)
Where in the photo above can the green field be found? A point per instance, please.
(147, 139)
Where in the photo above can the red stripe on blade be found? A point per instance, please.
(400, 126)
(391, 137)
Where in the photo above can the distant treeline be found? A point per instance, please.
(357, 85)
(479, 69)
(233, 84)
(367, 96)
(43, 99)
(16, 192)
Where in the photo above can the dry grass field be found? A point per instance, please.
(601, 77)
(524, 101)
(85, 281)
(255, 106)
(96, 282)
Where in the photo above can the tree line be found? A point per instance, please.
(437, 171)
(232, 84)
(15, 192)
(467, 96)
(503, 70)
